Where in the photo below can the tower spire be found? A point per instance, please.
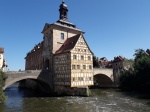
(63, 11)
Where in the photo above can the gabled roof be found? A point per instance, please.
(103, 59)
(61, 23)
(118, 58)
(68, 44)
(46, 26)
(87, 45)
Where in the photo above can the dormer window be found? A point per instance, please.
(62, 36)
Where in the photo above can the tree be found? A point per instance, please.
(138, 54)
(128, 80)
(2, 81)
(139, 77)
(95, 62)
(142, 70)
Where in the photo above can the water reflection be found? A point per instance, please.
(102, 100)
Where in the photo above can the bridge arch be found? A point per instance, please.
(43, 79)
(17, 80)
(102, 80)
(105, 71)
(40, 82)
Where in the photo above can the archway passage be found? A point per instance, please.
(102, 80)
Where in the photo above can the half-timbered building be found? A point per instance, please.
(73, 63)
(65, 53)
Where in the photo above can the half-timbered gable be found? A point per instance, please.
(73, 64)
(82, 64)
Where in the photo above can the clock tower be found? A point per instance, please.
(63, 11)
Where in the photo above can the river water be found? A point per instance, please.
(102, 100)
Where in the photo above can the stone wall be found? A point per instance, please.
(80, 91)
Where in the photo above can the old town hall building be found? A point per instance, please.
(63, 51)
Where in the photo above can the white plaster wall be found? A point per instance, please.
(1, 59)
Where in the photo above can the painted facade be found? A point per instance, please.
(3, 65)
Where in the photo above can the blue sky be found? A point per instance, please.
(112, 27)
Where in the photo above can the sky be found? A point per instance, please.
(112, 27)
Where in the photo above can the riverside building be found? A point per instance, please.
(65, 53)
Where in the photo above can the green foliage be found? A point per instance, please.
(142, 69)
(128, 62)
(127, 80)
(139, 79)
(2, 81)
(139, 53)
(95, 62)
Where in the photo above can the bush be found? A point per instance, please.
(128, 81)
(2, 82)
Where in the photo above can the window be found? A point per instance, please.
(84, 67)
(82, 57)
(74, 57)
(62, 36)
(73, 79)
(90, 78)
(73, 67)
(80, 78)
(90, 67)
(78, 66)
(89, 57)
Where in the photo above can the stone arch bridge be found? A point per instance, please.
(39, 75)
(102, 75)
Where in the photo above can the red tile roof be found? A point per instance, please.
(1, 50)
(68, 44)
(118, 58)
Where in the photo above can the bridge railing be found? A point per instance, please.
(22, 72)
(106, 69)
